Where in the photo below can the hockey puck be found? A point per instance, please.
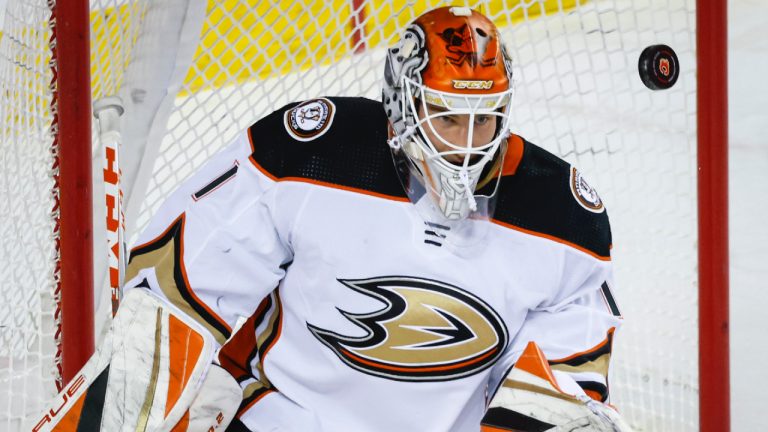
(658, 67)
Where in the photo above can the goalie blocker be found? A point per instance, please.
(534, 398)
(152, 372)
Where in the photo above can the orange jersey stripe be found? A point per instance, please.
(326, 184)
(420, 369)
(553, 238)
(191, 292)
(156, 239)
(603, 343)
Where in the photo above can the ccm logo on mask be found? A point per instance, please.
(472, 85)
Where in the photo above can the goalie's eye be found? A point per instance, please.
(482, 119)
(448, 119)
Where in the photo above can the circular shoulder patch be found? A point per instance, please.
(585, 194)
(310, 119)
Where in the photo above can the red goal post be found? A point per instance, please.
(712, 123)
(71, 108)
(235, 60)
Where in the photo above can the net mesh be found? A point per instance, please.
(27, 213)
(193, 75)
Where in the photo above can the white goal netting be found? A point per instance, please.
(192, 74)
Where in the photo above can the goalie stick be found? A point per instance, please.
(107, 111)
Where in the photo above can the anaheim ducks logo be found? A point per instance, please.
(309, 120)
(585, 194)
(426, 331)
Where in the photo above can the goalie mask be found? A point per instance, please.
(447, 91)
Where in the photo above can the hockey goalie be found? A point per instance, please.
(357, 265)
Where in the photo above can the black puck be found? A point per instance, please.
(658, 67)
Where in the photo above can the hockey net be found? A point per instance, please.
(191, 75)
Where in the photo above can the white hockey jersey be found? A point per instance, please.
(341, 309)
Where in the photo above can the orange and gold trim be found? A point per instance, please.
(165, 254)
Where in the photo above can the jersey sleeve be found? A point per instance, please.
(215, 248)
(575, 327)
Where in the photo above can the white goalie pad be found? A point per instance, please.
(215, 405)
(534, 397)
(146, 375)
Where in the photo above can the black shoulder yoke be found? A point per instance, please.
(335, 140)
(543, 196)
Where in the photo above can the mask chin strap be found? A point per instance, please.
(464, 179)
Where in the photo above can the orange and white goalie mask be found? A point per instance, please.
(447, 92)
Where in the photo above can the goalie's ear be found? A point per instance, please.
(533, 398)
(143, 376)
